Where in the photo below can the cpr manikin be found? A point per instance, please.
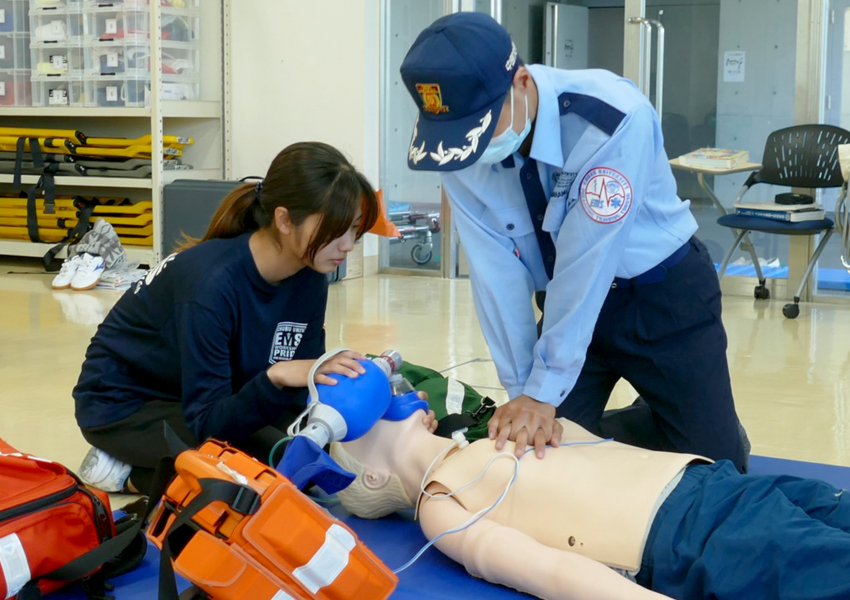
(575, 524)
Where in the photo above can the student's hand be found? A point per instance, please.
(294, 373)
(430, 420)
(344, 363)
(524, 420)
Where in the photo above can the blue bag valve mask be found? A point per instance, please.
(344, 412)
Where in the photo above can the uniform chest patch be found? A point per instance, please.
(287, 338)
(605, 194)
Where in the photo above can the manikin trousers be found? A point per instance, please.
(725, 536)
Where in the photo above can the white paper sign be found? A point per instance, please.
(111, 25)
(733, 66)
(59, 62)
(58, 97)
(2, 88)
(2, 52)
(112, 93)
(2, 15)
(111, 59)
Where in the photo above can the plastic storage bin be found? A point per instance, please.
(53, 91)
(118, 58)
(62, 25)
(57, 59)
(118, 91)
(15, 88)
(117, 23)
(13, 16)
(14, 51)
(176, 87)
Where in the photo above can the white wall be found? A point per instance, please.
(305, 70)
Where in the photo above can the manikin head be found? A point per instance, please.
(376, 459)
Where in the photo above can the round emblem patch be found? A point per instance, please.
(606, 195)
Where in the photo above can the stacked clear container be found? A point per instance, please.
(14, 53)
(58, 63)
(118, 52)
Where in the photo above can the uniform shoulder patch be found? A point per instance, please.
(605, 194)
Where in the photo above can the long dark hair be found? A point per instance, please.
(305, 178)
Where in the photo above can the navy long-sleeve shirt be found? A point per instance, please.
(202, 328)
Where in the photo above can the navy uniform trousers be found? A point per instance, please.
(725, 536)
(662, 332)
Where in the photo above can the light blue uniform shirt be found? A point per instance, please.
(612, 212)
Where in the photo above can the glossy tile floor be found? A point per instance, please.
(791, 378)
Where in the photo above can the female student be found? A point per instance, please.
(217, 341)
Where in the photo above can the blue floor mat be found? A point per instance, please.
(435, 577)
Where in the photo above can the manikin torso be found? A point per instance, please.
(589, 496)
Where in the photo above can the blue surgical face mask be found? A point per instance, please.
(507, 142)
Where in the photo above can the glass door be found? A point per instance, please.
(725, 79)
(412, 198)
(832, 278)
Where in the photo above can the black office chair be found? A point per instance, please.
(801, 156)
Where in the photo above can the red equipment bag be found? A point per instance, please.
(53, 529)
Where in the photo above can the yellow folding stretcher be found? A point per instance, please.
(66, 219)
(78, 137)
(144, 237)
(132, 222)
(66, 146)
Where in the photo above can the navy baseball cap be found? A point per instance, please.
(458, 72)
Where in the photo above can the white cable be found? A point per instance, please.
(431, 466)
(295, 427)
(474, 518)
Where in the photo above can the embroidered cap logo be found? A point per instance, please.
(511, 58)
(432, 99)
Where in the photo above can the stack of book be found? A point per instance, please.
(714, 158)
(790, 213)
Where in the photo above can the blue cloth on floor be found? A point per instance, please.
(433, 577)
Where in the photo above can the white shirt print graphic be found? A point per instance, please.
(287, 338)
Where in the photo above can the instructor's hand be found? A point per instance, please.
(294, 373)
(525, 421)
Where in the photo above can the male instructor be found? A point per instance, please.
(559, 185)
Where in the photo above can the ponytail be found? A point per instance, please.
(234, 216)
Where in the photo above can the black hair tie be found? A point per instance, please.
(257, 189)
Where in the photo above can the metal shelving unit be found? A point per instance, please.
(201, 119)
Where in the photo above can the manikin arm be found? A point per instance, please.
(504, 555)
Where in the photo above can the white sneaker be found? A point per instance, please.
(89, 272)
(104, 472)
(66, 274)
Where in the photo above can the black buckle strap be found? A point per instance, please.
(238, 497)
(465, 420)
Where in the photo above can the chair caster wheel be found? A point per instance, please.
(791, 311)
(761, 292)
